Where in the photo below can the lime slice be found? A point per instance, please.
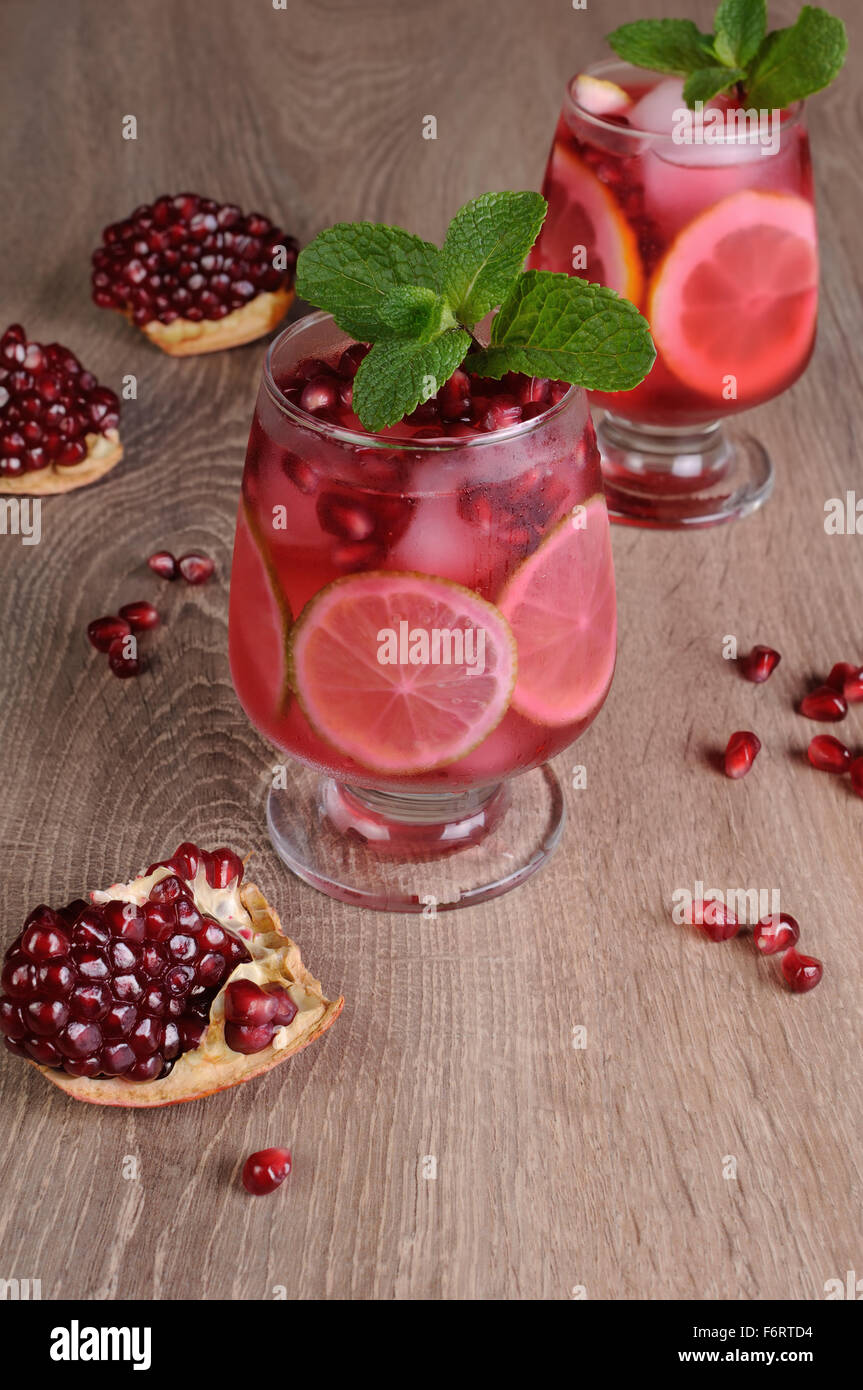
(599, 97)
(582, 211)
(260, 619)
(390, 715)
(737, 295)
(561, 607)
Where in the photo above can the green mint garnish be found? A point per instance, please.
(419, 306)
(770, 70)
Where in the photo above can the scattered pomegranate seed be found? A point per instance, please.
(802, 973)
(775, 932)
(759, 664)
(266, 1170)
(848, 680)
(164, 564)
(188, 257)
(140, 615)
(856, 770)
(103, 631)
(713, 918)
(123, 657)
(828, 754)
(743, 748)
(195, 568)
(824, 704)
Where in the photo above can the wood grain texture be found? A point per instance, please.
(557, 1167)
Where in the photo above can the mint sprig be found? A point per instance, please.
(770, 70)
(418, 306)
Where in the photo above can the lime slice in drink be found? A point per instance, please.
(561, 608)
(376, 685)
(599, 97)
(582, 212)
(260, 618)
(737, 294)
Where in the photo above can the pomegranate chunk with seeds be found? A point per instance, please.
(58, 426)
(121, 989)
(759, 664)
(802, 973)
(828, 754)
(194, 274)
(824, 705)
(775, 933)
(743, 748)
(266, 1170)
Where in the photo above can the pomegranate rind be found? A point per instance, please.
(213, 1066)
(183, 338)
(104, 452)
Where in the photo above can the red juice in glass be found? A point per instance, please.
(710, 230)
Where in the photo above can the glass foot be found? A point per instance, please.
(415, 852)
(672, 478)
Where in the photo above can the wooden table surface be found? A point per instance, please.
(608, 1167)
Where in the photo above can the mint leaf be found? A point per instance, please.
(412, 311)
(396, 376)
(739, 27)
(562, 327)
(666, 45)
(707, 83)
(484, 250)
(349, 268)
(795, 62)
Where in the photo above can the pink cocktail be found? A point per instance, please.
(712, 235)
(418, 615)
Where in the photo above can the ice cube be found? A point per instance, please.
(655, 111)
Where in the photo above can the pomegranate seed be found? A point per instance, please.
(195, 568)
(824, 705)
(743, 748)
(454, 397)
(248, 1038)
(856, 770)
(266, 1170)
(140, 615)
(222, 867)
(802, 973)
(320, 395)
(122, 659)
(351, 358)
(828, 754)
(103, 631)
(164, 564)
(848, 680)
(759, 664)
(775, 932)
(185, 860)
(301, 474)
(713, 918)
(167, 890)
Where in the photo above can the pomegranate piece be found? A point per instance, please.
(164, 564)
(185, 268)
(824, 704)
(828, 754)
(775, 933)
(802, 973)
(140, 615)
(54, 415)
(759, 664)
(195, 568)
(109, 995)
(856, 770)
(713, 918)
(848, 680)
(123, 658)
(102, 632)
(743, 748)
(266, 1170)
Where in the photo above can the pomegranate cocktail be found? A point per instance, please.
(422, 595)
(688, 189)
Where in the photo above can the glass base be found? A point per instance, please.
(671, 478)
(415, 852)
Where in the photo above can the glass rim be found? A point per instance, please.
(341, 435)
(631, 132)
